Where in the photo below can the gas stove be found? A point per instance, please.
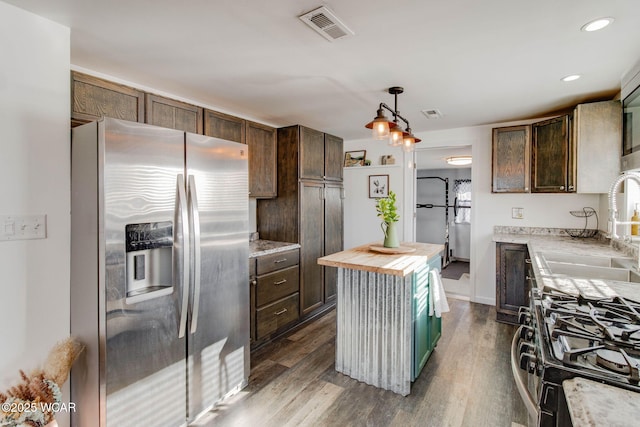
(565, 336)
(599, 336)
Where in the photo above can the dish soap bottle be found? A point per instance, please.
(636, 218)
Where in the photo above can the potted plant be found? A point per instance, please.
(387, 211)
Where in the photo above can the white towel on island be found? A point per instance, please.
(438, 303)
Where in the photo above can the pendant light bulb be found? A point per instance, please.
(396, 136)
(379, 126)
(380, 130)
(408, 141)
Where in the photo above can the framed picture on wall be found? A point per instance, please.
(354, 158)
(378, 186)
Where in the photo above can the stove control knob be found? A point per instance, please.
(526, 333)
(524, 316)
(528, 362)
(526, 347)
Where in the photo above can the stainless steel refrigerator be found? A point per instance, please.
(159, 273)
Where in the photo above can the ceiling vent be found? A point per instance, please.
(432, 114)
(326, 23)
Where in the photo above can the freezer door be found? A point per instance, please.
(142, 244)
(218, 333)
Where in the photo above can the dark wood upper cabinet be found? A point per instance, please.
(511, 154)
(224, 126)
(168, 113)
(263, 155)
(333, 157)
(552, 164)
(312, 159)
(321, 155)
(93, 98)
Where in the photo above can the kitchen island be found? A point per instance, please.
(386, 328)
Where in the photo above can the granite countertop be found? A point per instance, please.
(402, 264)
(590, 403)
(262, 247)
(594, 404)
(595, 288)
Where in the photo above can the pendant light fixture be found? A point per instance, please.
(383, 128)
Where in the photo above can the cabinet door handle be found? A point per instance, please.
(280, 282)
(278, 261)
(527, 261)
(571, 188)
(283, 311)
(562, 187)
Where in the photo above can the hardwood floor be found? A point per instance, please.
(466, 382)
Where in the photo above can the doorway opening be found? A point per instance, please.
(443, 213)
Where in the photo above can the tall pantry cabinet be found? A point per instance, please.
(308, 209)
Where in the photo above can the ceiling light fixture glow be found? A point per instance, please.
(570, 78)
(382, 128)
(459, 160)
(597, 24)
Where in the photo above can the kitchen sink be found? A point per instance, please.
(590, 267)
(598, 261)
(593, 272)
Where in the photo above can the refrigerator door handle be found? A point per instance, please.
(181, 211)
(194, 222)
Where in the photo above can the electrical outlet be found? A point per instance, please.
(23, 227)
(517, 213)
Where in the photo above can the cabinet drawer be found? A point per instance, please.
(276, 315)
(277, 261)
(273, 286)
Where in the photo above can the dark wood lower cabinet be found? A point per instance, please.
(275, 293)
(512, 283)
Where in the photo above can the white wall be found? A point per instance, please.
(361, 224)
(540, 210)
(34, 171)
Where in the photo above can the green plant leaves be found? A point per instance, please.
(386, 208)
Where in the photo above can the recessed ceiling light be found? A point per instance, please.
(459, 160)
(596, 24)
(570, 78)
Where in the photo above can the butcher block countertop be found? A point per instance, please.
(363, 258)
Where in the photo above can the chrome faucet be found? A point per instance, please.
(613, 210)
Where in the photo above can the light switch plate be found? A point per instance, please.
(517, 213)
(23, 227)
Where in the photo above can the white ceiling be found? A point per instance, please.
(478, 62)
